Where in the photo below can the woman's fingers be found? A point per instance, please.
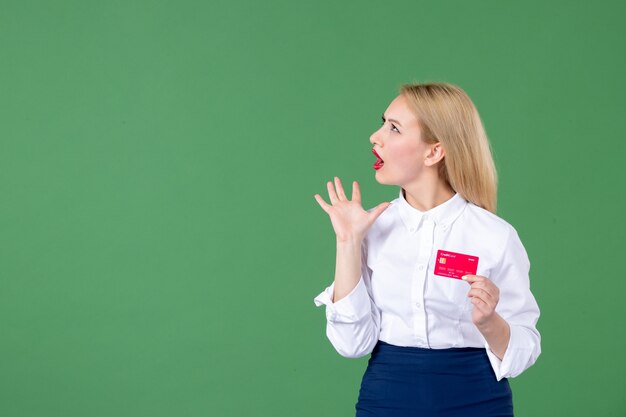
(482, 285)
(473, 278)
(340, 193)
(348, 217)
(336, 194)
(481, 305)
(356, 192)
(322, 203)
(331, 193)
(482, 294)
(378, 210)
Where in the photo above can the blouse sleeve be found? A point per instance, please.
(352, 323)
(518, 307)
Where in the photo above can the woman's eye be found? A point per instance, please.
(393, 127)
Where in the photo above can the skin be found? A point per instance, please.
(412, 164)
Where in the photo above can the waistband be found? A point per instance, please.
(464, 360)
(416, 349)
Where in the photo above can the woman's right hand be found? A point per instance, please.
(349, 219)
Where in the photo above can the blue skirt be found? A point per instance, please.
(418, 382)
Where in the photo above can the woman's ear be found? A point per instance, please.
(435, 155)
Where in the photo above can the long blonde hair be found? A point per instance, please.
(447, 115)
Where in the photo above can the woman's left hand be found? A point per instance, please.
(484, 295)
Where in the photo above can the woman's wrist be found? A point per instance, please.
(497, 333)
(349, 240)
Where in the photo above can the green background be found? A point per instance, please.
(160, 246)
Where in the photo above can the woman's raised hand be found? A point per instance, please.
(349, 219)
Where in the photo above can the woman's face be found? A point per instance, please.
(398, 142)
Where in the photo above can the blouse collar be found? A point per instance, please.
(442, 215)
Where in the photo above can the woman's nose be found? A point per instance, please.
(374, 140)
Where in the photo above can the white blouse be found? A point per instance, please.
(399, 299)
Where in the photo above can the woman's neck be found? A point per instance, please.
(424, 199)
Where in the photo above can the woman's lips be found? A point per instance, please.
(379, 162)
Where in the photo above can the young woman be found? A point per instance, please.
(433, 284)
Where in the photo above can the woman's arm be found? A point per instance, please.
(506, 312)
(347, 267)
(485, 295)
(351, 223)
(353, 320)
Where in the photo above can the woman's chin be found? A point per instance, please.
(382, 180)
(380, 177)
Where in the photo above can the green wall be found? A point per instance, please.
(160, 246)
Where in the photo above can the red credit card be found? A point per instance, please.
(455, 265)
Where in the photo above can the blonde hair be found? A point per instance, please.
(447, 115)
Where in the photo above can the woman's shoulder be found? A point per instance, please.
(487, 222)
(499, 240)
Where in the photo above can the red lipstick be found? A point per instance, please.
(379, 162)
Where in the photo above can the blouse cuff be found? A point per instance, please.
(515, 353)
(350, 309)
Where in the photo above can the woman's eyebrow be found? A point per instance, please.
(392, 120)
